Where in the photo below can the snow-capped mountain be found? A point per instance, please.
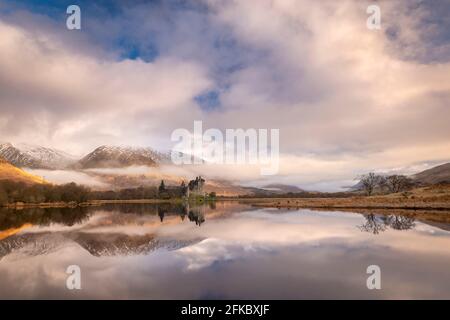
(97, 244)
(119, 157)
(38, 157)
(100, 244)
(35, 157)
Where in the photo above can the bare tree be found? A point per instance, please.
(373, 224)
(370, 181)
(400, 222)
(397, 183)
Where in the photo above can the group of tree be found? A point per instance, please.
(126, 194)
(171, 192)
(152, 192)
(194, 189)
(12, 192)
(372, 182)
(379, 223)
(42, 217)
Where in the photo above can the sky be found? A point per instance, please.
(346, 99)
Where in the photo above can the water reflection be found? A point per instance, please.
(109, 230)
(195, 215)
(400, 222)
(159, 251)
(13, 218)
(378, 223)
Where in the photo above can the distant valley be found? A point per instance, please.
(120, 167)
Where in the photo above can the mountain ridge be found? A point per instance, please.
(119, 157)
(35, 157)
(114, 157)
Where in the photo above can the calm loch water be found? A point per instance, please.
(221, 251)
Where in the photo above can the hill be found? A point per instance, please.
(439, 174)
(10, 172)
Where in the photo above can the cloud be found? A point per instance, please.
(66, 94)
(346, 99)
(67, 176)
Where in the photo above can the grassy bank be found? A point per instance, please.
(426, 198)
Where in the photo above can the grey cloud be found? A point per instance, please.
(338, 92)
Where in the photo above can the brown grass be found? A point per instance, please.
(10, 172)
(427, 198)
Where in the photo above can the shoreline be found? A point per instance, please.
(349, 203)
(366, 203)
(90, 203)
(284, 205)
